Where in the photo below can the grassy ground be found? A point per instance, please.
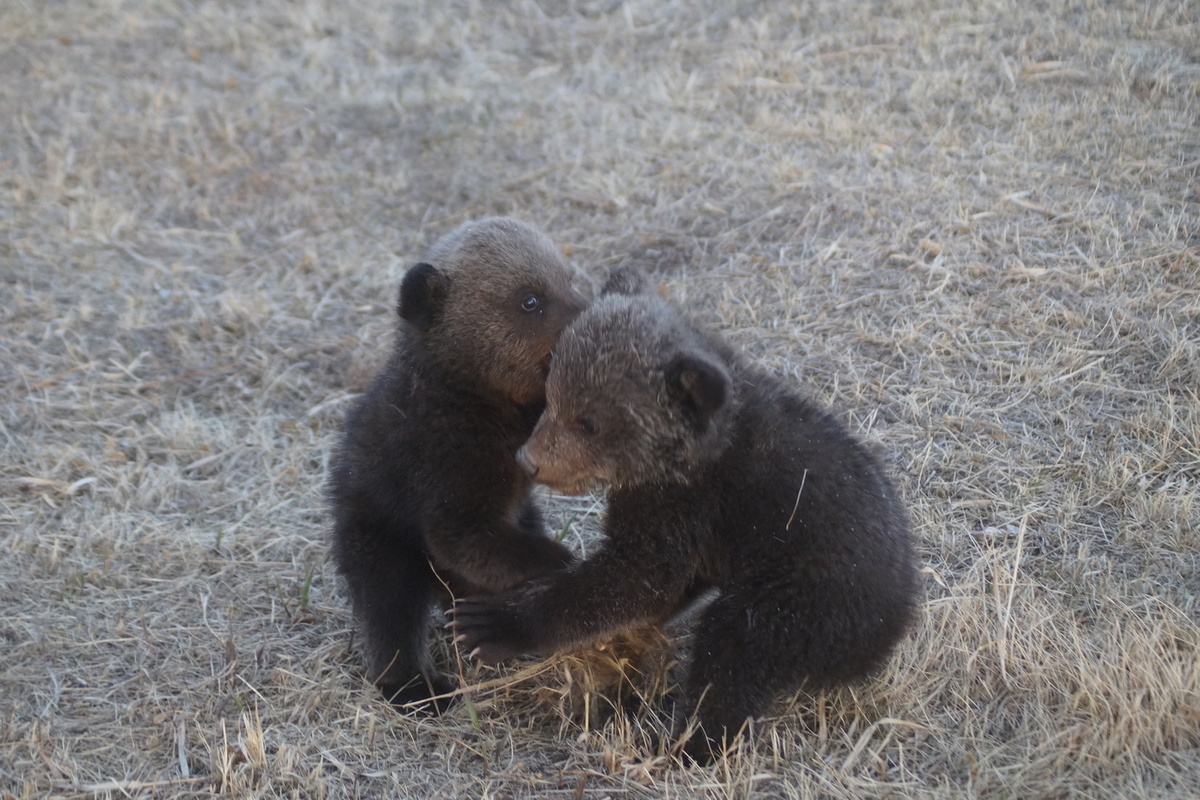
(973, 227)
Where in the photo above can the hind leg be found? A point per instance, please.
(744, 658)
(392, 599)
(780, 631)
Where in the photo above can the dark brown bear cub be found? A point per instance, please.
(719, 474)
(425, 488)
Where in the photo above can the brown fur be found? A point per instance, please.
(425, 488)
(719, 474)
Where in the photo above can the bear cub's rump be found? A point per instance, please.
(721, 474)
(425, 488)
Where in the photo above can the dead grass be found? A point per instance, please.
(971, 226)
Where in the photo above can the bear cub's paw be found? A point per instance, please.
(486, 628)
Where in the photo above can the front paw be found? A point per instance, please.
(485, 628)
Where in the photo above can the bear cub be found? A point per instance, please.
(719, 474)
(425, 490)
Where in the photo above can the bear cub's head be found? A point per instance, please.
(489, 302)
(635, 396)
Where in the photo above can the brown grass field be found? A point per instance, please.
(972, 227)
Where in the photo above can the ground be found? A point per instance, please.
(971, 227)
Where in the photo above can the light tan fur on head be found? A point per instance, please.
(485, 277)
(635, 395)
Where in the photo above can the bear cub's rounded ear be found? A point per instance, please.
(698, 385)
(422, 293)
(627, 281)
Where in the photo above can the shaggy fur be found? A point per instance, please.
(425, 489)
(719, 474)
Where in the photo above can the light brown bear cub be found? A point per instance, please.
(425, 488)
(719, 474)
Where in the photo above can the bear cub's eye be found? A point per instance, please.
(587, 425)
(531, 302)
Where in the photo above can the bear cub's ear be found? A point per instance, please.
(698, 385)
(627, 281)
(422, 294)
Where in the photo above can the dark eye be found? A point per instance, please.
(531, 302)
(587, 425)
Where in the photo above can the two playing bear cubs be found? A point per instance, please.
(718, 473)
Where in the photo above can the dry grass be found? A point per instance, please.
(971, 226)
